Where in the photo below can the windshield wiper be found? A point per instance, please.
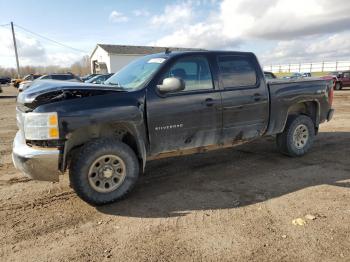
(116, 84)
(113, 84)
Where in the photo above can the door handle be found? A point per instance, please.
(257, 97)
(209, 102)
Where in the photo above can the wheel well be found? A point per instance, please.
(80, 137)
(130, 140)
(309, 108)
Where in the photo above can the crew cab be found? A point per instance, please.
(161, 105)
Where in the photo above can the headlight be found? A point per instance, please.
(41, 126)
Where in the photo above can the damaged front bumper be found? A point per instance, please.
(37, 163)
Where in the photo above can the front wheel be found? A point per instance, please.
(297, 137)
(104, 171)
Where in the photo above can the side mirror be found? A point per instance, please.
(171, 84)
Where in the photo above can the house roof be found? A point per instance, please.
(137, 50)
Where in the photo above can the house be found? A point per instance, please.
(111, 58)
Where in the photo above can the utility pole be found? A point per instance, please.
(15, 46)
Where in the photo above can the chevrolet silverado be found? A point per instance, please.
(160, 105)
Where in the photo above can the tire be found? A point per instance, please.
(90, 166)
(292, 141)
(337, 86)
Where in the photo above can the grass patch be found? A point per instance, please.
(314, 74)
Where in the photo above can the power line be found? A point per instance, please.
(51, 40)
(5, 25)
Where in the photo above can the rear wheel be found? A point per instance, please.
(104, 171)
(297, 137)
(338, 86)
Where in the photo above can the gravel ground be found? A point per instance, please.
(231, 205)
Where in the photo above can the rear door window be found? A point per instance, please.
(237, 71)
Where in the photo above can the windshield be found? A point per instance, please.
(136, 74)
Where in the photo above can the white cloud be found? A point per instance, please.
(28, 47)
(174, 15)
(63, 58)
(32, 52)
(117, 17)
(199, 36)
(290, 24)
(141, 12)
(336, 46)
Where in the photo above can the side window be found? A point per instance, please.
(69, 77)
(56, 77)
(194, 71)
(236, 71)
(61, 77)
(347, 74)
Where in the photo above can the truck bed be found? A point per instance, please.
(287, 94)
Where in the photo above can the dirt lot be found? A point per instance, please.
(231, 205)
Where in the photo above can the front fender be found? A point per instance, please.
(87, 118)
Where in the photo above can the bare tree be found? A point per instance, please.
(81, 67)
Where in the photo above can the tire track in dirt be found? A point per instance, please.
(38, 203)
(15, 180)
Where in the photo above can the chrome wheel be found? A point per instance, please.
(107, 173)
(300, 136)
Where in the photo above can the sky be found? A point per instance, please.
(278, 31)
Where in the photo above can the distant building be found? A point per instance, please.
(111, 58)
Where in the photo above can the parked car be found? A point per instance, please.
(99, 79)
(61, 77)
(269, 75)
(298, 75)
(29, 77)
(330, 80)
(306, 75)
(5, 80)
(160, 105)
(87, 77)
(342, 79)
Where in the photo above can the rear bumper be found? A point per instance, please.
(37, 163)
(330, 114)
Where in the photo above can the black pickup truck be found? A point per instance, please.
(161, 105)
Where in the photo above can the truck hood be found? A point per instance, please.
(49, 91)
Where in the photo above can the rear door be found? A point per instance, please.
(245, 98)
(189, 118)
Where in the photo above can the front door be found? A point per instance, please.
(189, 118)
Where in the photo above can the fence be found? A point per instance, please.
(309, 67)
